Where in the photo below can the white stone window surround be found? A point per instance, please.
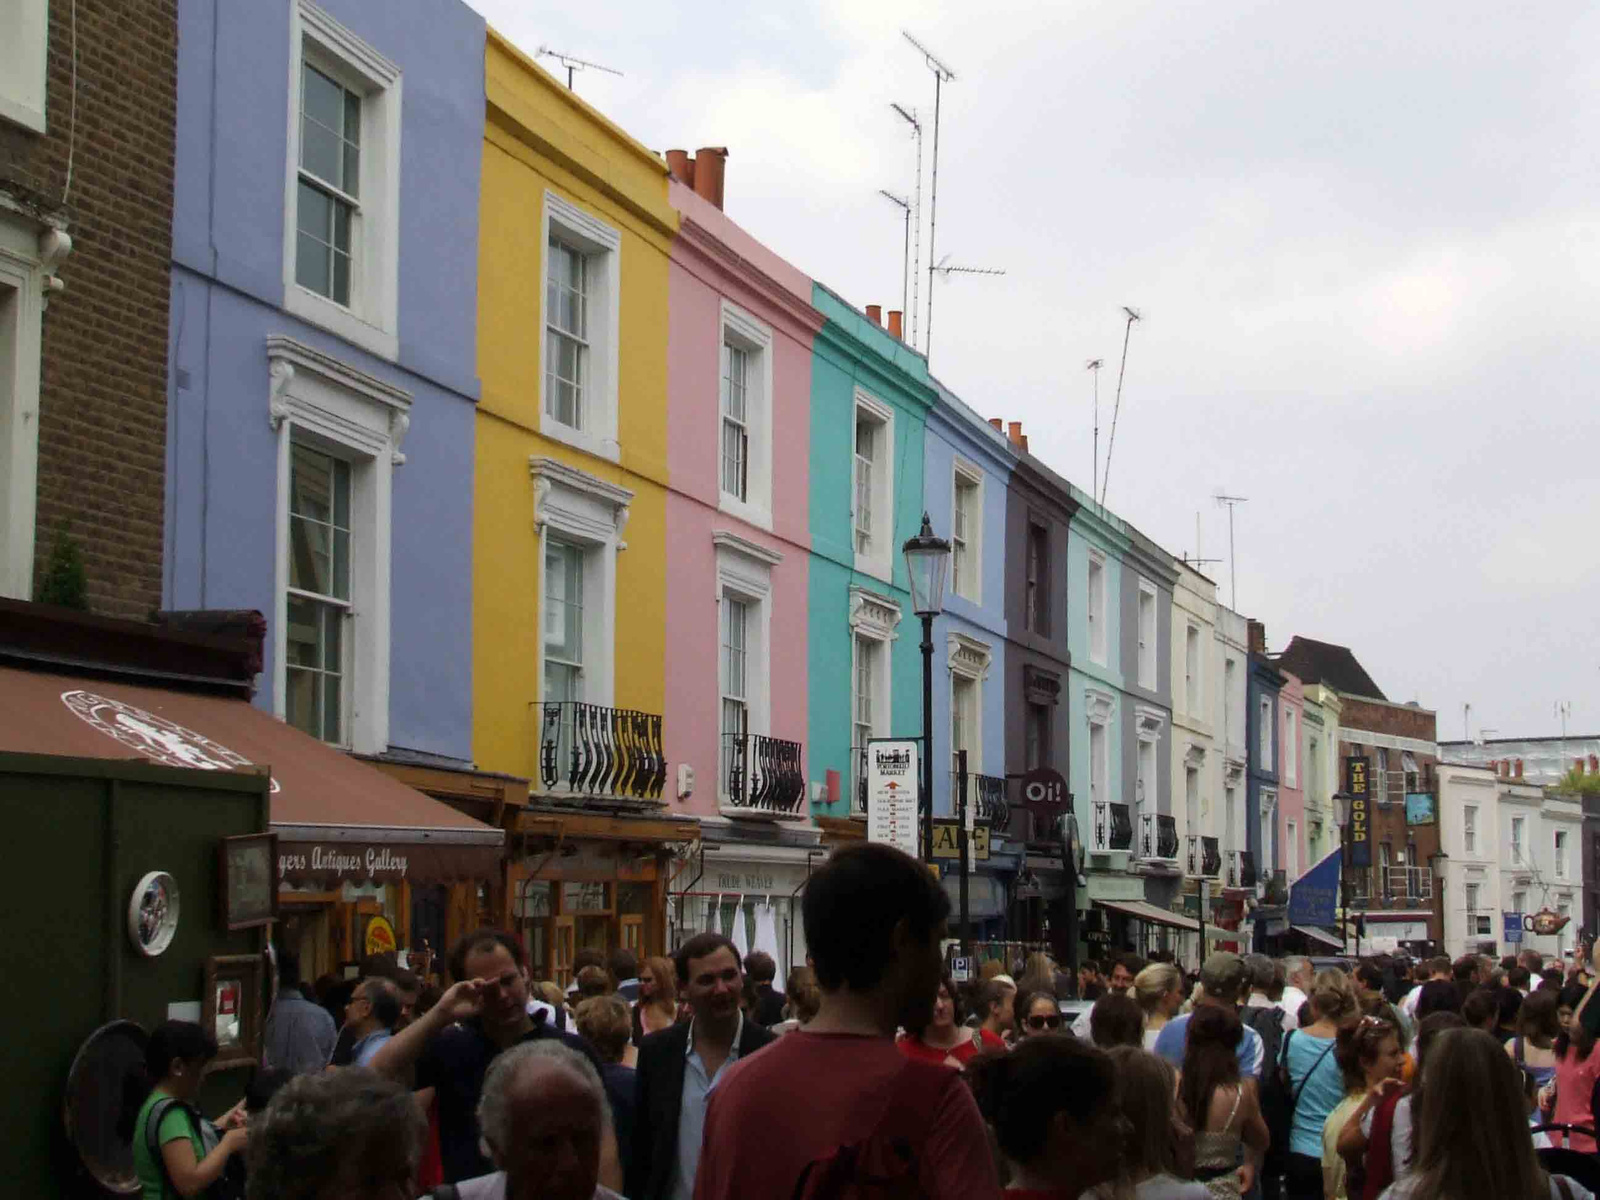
(1149, 643)
(744, 572)
(24, 47)
(372, 320)
(879, 560)
(741, 329)
(969, 474)
(875, 618)
(580, 509)
(970, 659)
(28, 258)
(601, 246)
(1097, 617)
(320, 401)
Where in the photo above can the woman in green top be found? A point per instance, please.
(174, 1060)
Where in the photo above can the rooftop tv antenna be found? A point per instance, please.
(909, 116)
(941, 72)
(1094, 364)
(1232, 502)
(572, 63)
(945, 267)
(1197, 561)
(1111, 445)
(905, 261)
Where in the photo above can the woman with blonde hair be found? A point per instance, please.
(1154, 1165)
(1159, 990)
(1473, 1141)
(657, 1008)
(1315, 1080)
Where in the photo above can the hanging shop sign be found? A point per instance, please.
(946, 845)
(1420, 809)
(892, 793)
(379, 937)
(1358, 786)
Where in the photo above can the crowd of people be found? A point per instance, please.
(874, 1073)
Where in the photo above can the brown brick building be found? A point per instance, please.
(87, 110)
(1400, 896)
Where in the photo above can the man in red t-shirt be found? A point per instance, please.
(873, 918)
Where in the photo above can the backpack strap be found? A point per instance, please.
(152, 1135)
(1295, 1103)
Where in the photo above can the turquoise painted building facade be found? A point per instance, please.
(870, 399)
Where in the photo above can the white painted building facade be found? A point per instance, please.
(1195, 703)
(1469, 832)
(1230, 665)
(1541, 861)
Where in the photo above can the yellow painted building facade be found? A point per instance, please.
(569, 525)
(542, 141)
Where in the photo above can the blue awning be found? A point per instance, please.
(1315, 895)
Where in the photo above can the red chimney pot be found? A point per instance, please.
(875, 314)
(681, 166)
(710, 168)
(897, 323)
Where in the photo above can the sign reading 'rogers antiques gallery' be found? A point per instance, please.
(353, 863)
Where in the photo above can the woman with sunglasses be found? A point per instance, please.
(1037, 1012)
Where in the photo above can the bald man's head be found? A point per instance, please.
(543, 1115)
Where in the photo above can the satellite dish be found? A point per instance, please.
(96, 1085)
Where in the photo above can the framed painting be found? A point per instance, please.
(249, 891)
(230, 1009)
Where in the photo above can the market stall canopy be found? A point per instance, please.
(1141, 911)
(337, 820)
(1332, 940)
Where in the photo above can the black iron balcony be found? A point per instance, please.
(1210, 857)
(591, 750)
(1113, 826)
(1247, 869)
(1192, 862)
(763, 774)
(1166, 836)
(986, 795)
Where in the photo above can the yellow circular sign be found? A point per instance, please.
(380, 936)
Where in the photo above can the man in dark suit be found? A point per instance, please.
(678, 1067)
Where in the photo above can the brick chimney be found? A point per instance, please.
(1519, 769)
(897, 323)
(710, 170)
(1258, 637)
(1594, 764)
(681, 166)
(875, 314)
(1014, 433)
(998, 424)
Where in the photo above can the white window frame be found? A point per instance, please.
(362, 419)
(1291, 748)
(1559, 850)
(744, 572)
(1148, 640)
(1518, 832)
(1469, 828)
(874, 619)
(1519, 902)
(969, 660)
(24, 59)
(1193, 681)
(1469, 896)
(739, 328)
(1265, 731)
(1291, 839)
(1100, 768)
(1099, 641)
(1146, 769)
(372, 319)
(967, 585)
(27, 259)
(1270, 841)
(601, 246)
(581, 509)
(878, 560)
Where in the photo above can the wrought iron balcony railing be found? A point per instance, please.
(763, 774)
(1191, 862)
(1210, 857)
(986, 794)
(1401, 884)
(1247, 868)
(1113, 826)
(591, 750)
(1158, 836)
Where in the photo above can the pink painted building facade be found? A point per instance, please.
(1292, 768)
(740, 333)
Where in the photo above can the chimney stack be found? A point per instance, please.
(1024, 443)
(1519, 769)
(998, 424)
(1594, 764)
(681, 166)
(875, 314)
(1577, 765)
(1014, 433)
(1258, 637)
(710, 168)
(897, 323)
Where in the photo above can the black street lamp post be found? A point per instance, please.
(927, 559)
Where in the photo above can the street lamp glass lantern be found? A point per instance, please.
(927, 560)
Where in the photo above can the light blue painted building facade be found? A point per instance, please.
(323, 354)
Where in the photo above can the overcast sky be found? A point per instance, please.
(1365, 240)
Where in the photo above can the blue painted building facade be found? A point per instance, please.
(967, 465)
(1262, 757)
(323, 354)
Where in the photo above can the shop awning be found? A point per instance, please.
(1142, 911)
(1331, 940)
(337, 820)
